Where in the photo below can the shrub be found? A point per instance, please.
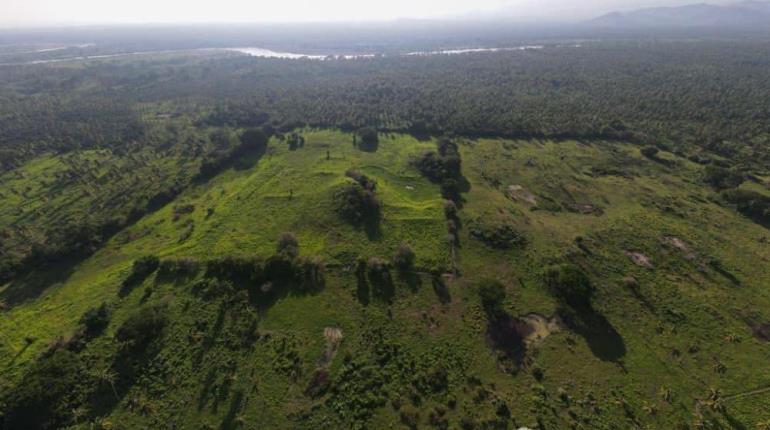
(142, 328)
(404, 257)
(47, 393)
(444, 167)
(357, 204)
(410, 416)
(721, 178)
(95, 320)
(288, 245)
(492, 294)
(363, 180)
(178, 267)
(368, 139)
(450, 209)
(751, 204)
(235, 268)
(649, 151)
(501, 236)
(569, 283)
(379, 269)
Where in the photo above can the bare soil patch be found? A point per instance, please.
(640, 259)
(518, 193)
(586, 209)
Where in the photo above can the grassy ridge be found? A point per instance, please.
(683, 325)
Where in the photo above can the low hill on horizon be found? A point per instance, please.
(754, 14)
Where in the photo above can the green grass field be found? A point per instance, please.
(681, 326)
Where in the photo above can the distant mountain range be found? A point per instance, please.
(749, 13)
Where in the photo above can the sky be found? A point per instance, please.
(78, 12)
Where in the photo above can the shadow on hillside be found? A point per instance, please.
(372, 229)
(506, 334)
(129, 367)
(604, 341)
(230, 422)
(31, 285)
(441, 289)
(239, 159)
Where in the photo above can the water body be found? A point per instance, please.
(267, 53)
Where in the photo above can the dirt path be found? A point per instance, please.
(747, 393)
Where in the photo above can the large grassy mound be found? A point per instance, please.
(671, 334)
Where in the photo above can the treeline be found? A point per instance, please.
(684, 96)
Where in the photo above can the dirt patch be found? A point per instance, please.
(762, 332)
(540, 328)
(333, 338)
(517, 193)
(586, 209)
(676, 243)
(514, 336)
(680, 245)
(640, 259)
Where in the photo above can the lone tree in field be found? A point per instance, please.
(568, 283)
(404, 258)
(368, 139)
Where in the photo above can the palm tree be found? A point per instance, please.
(107, 376)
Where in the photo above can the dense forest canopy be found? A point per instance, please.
(689, 96)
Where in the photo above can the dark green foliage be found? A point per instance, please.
(210, 288)
(751, 204)
(47, 394)
(491, 294)
(650, 152)
(501, 236)
(450, 209)
(404, 257)
(444, 168)
(721, 178)
(95, 320)
(238, 269)
(295, 141)
(358, 205)
(141, 329)
(319, 384)
(288, 245)
(363, 180)
(568, 283)
(253, 140)
(368, 140)
(178, 268)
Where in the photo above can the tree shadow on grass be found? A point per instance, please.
(412, 279)
(34, 283)
(604, 341)
(441, 289)
(230, 422)
(362, 289)
(506, 335)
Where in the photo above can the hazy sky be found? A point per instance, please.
(37, 12)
